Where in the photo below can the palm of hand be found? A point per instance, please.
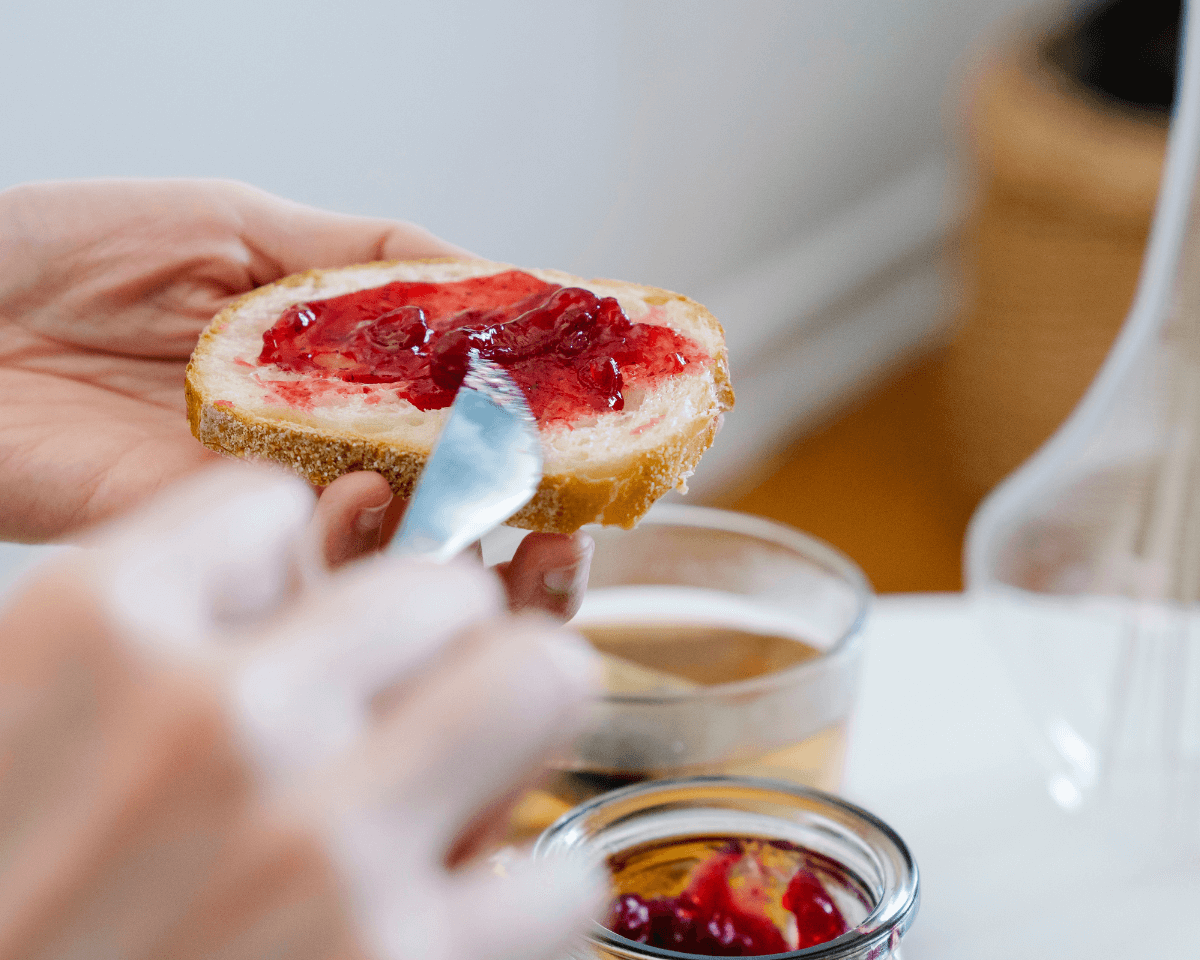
(77, 450)
(106, 285)
(95, 332)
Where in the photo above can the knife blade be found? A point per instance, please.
(486, 465)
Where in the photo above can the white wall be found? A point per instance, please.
(776, 158)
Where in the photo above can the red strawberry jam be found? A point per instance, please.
(817, 917)
(572, 353)
(722, 911)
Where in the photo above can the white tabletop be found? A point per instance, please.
(938, 750)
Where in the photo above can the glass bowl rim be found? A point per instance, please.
(891, 917)
(804, 544)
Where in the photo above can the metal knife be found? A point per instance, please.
(486, 465)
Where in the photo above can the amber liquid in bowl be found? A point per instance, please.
(698, 654)
(732, 646)
(686, 659)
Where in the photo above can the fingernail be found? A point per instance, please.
(370, 519)
(560, 581)
(573, 577)
(575, 660)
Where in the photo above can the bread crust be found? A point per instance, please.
(564, 501)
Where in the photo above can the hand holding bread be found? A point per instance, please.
(105, 290)
(107, 287)
(331, 371)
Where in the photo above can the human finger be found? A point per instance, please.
(287, 237)
(308, 685)
(356, 515)
(271, 892)
(104, 759)
(168, 851)
(348, 520)
(484, 720)
(549, 572)
(478, 724)
(216, 552)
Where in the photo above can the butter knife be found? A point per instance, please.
(486, 465)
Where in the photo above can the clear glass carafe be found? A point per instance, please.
(1086, 562)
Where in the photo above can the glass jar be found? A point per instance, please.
(733, 646)
(866, 869)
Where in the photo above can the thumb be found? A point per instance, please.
(289, 237)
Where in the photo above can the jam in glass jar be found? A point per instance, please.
(740, 866)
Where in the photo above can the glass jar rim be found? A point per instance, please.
(888, 920)
(803, 544)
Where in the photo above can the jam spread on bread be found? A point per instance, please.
(723, 911)
(573, 354)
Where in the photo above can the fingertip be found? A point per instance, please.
(362, 489)
(564, 585)
(369, 520)
(404, 240)
(392, 517)
(349, 517)
(549, 572)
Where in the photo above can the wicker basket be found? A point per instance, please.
(1063, 186)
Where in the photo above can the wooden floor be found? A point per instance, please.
(873, 483)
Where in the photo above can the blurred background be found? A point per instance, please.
(920, 221)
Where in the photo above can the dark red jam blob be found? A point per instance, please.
(572, 353)
(714, 918)
(817, 917)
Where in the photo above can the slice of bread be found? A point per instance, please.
(607, 468)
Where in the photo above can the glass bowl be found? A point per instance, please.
(733, 645)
